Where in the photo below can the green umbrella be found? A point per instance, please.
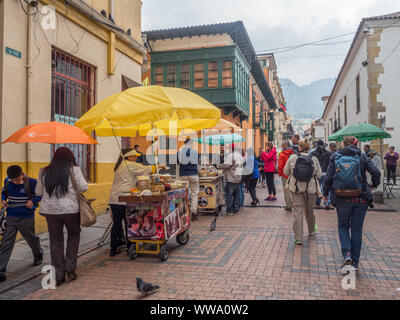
(362, 131)
(220, 139)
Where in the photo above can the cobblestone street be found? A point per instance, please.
(248, 256)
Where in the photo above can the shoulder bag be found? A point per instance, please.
(88, 215)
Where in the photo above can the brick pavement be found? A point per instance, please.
(248, 256)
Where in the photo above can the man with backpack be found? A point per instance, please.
(323, 157)
(351, 195)
(303, 171)
(18, 196)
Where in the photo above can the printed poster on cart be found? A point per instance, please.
(142, 221)
(176, 217)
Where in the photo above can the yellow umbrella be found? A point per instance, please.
(171, 126)
(142, 108)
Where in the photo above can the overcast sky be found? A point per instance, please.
(278, 23)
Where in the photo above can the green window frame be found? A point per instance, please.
(185, 78)
(227, 72)
(212, 71)
(159, 75)
(199, 78)
(171, 75)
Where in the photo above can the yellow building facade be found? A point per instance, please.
(56, 61)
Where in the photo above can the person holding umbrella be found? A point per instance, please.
(59, 203)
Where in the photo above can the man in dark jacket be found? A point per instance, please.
(295, 143)
(188, 160)
(323, 157)
(351, 210)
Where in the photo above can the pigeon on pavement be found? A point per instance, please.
(145, 288)
(213, 225)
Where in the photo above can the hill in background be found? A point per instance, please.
(304, 102)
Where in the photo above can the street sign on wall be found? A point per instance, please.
(14, 53)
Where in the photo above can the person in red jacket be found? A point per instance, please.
(270, 159)
(283, 158)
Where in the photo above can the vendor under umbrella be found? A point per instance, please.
(126, 173)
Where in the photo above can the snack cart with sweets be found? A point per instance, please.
(154, 219)
(211, 195)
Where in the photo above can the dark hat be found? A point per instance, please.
(320, 143)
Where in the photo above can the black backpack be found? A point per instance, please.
(304, 168)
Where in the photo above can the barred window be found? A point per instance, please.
(73, 94)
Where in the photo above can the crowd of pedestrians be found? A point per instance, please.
(343, 178)
(338, 177)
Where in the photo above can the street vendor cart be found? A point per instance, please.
(211, 195)
(154, 219)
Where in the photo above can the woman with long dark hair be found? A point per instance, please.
(126, 172)
(60, 207)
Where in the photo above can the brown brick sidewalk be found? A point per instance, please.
(250, 256)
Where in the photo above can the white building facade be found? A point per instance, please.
(367, 89)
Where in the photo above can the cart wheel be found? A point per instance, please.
(163, 255)
(182, 238)
(132, 251)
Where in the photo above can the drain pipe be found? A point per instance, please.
(28, 87)
(112, 8)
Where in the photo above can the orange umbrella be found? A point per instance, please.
(51, 132)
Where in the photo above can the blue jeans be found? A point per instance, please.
(350, 217)
(321, 183)
(232, 197)
(241, 189)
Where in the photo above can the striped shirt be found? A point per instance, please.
(17, 197)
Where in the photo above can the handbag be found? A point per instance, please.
(88, 215)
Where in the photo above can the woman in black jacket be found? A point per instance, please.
(323, 157)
